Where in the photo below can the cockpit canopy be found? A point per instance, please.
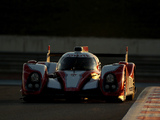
(77, 63)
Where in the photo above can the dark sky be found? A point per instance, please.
(97, 18)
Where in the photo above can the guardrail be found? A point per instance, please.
(12, 63)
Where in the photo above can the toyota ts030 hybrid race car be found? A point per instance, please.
(78, 74)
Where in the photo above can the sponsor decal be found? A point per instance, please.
(73, 75)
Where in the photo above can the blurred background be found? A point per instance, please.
(98, 18)
(106, 26)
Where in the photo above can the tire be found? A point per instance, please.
(131, 97)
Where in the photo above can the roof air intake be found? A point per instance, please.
(78, 48)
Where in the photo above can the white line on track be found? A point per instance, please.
(146, 107)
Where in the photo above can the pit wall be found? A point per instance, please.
(39, 44)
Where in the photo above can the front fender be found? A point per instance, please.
(118, 70)
(28, 69)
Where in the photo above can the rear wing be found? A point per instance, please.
(85, 49)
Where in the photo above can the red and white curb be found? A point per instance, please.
(146, 107)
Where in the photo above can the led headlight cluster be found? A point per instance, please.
(110, 83)
(33, 81)
(34, 77)
(109, 78)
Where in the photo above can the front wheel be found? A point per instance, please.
(131, 97)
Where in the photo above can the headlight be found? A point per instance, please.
(30, 85)
(110, 83)
(109, 78)
(107, 87)
(36, 86)
(113, 86)
(35, 77)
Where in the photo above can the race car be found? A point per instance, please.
(78, 74)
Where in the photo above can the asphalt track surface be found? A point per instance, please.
(12, 107)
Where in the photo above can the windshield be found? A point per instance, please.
(77, 63)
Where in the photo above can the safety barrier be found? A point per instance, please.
(146, 66)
